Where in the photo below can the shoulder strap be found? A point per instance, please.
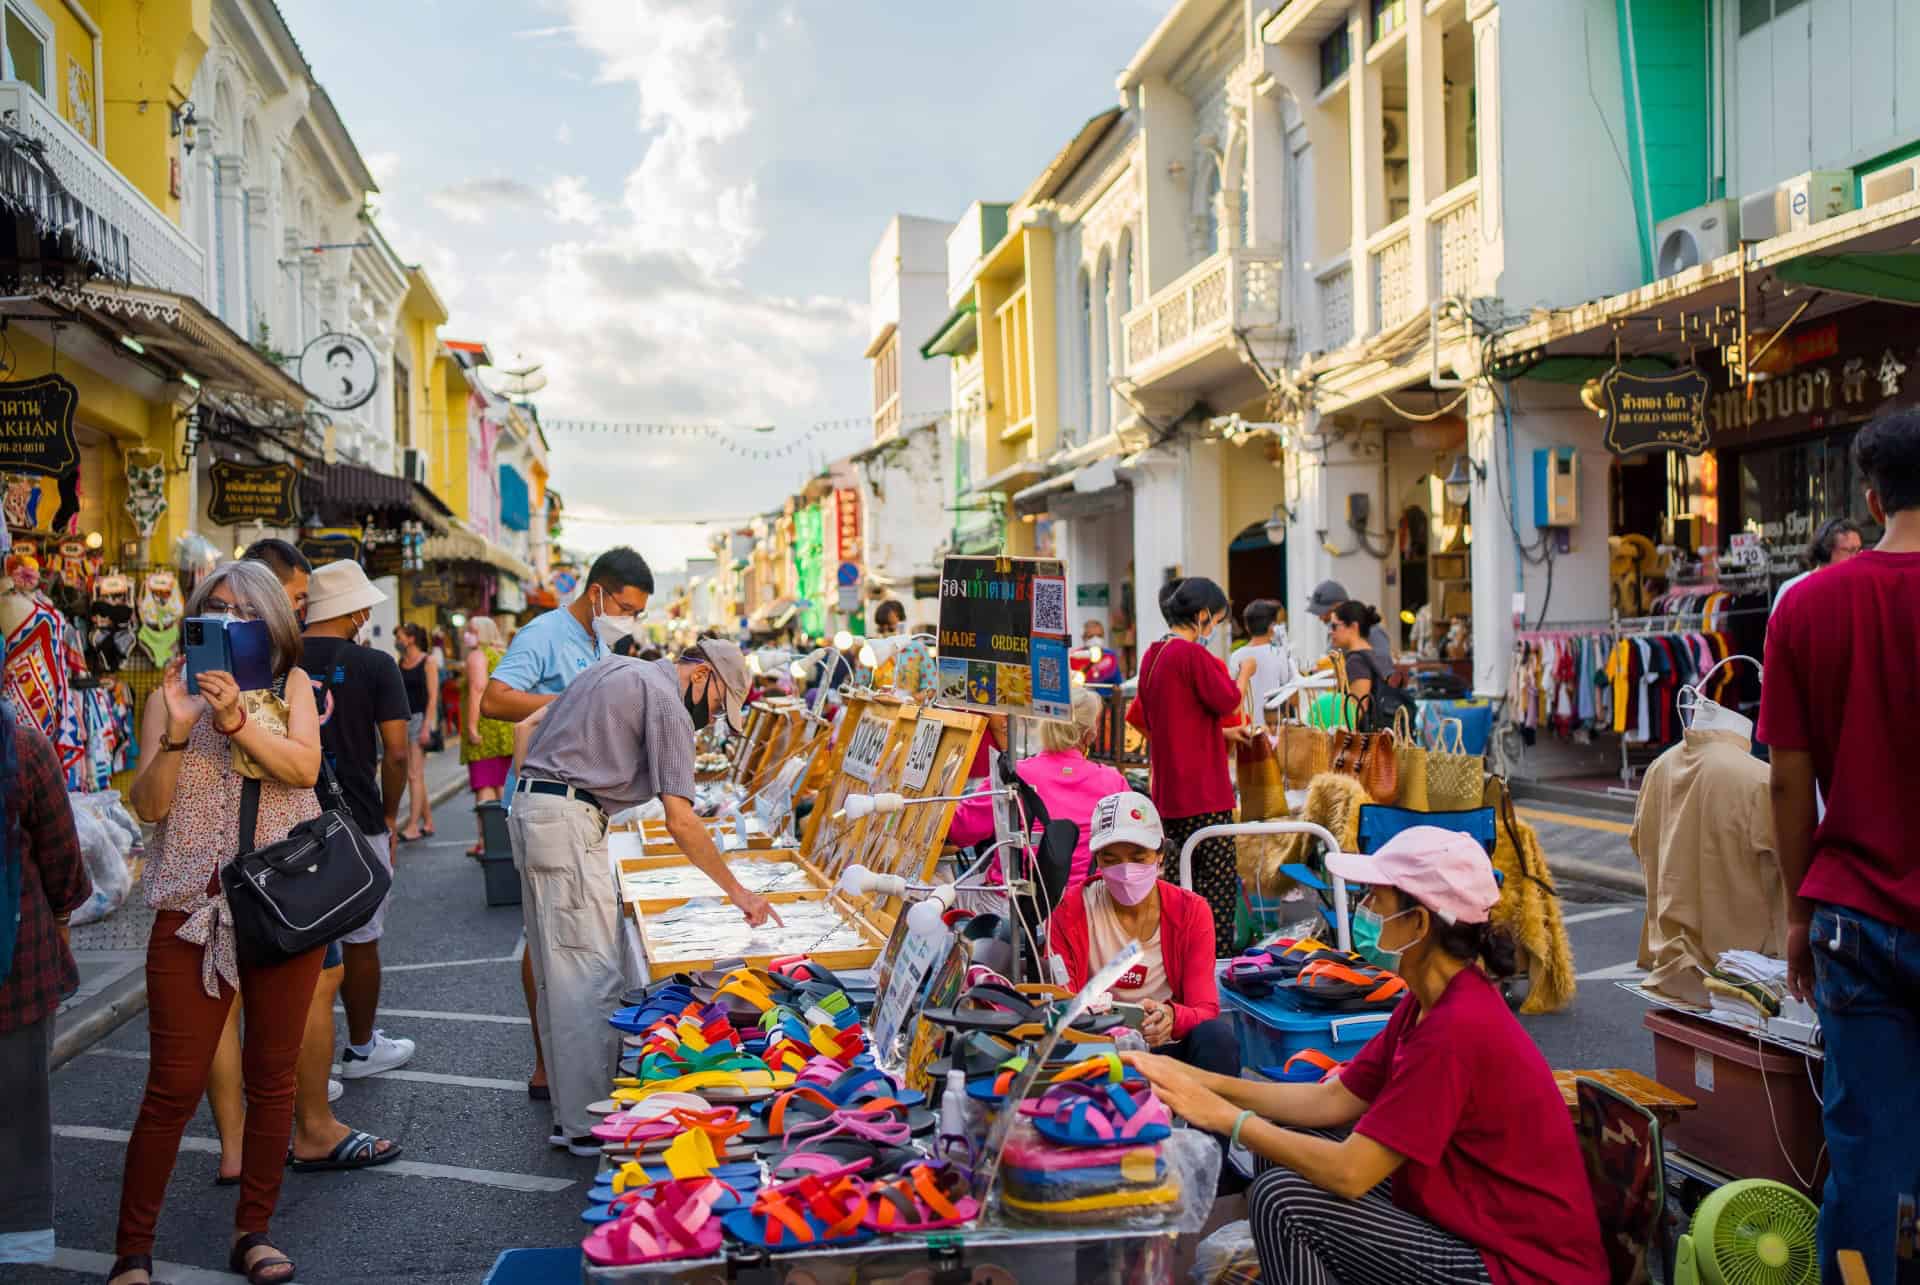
(249, 813)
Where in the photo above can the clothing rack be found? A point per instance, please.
(1688, 613)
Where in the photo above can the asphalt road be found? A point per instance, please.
(478, 1175)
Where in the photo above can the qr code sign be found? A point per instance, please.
(1046, 672)
(1050, 606)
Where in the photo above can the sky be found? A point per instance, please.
(671, 204)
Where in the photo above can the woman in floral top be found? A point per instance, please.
(188, 786)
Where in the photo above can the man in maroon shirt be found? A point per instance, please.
(41, 846)
(1842, 690)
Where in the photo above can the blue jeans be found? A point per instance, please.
(1867, 989)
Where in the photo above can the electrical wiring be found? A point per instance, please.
(1427, 418)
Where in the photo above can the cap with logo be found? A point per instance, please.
(1128, 817)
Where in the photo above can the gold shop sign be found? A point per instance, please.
(1849, 390)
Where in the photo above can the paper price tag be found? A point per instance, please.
(919, 765)
(917, 957)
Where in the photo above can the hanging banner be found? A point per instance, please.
(1003, 636)
(36, 436)
(244, 493)
(1655, 412)
(432, 590)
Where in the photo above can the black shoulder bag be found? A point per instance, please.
(313, 887)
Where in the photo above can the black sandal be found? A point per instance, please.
(358, 1150)
(237, 1261)
(133, 1263)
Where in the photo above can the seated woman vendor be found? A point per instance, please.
(1127, 902)
(1461, 1164)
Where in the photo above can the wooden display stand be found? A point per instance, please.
(883, 744)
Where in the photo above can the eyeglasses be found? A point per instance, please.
(226, 606)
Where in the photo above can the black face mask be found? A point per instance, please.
(696, 709)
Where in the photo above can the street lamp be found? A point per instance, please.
(1459, 482)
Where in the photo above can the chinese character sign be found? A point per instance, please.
(1003, 636)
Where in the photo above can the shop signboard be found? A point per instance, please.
(1655, 412)
(335, 545)
(252, 493)
(339, 371)
(1003, 636)
(846, 505)
(36, 437)
(434, 590)
(1092, 595)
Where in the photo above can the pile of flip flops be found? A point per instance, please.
(1313, 975)
(748, 1109)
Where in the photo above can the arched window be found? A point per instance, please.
(1087, 363)
(1123, 302)
(1100, 396)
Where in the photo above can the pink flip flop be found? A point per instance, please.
(674, 1220)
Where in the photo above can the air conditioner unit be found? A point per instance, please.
(1891, 182)
(1701, 235)
(1800, 202)
(413, 466)
(1393, 136)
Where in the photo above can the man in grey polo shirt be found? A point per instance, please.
(620, 735)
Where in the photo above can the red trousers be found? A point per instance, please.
(183, 1029)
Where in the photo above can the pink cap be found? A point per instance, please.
(1446, 870)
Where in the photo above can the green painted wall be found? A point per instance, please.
(1665, 59)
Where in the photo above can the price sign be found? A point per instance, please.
(905, 981)
(926, 740)
(864, 748)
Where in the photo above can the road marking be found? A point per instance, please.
(434, 1015)
(1574, 819)
(1628, 971)
(408, 1168)
(412, 1077)
(520, 947)
(1605, 912)
(85, 1260)
(450, 963)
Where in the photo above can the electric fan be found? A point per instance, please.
(1755, 1232)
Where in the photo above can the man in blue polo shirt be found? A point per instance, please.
(548, 653)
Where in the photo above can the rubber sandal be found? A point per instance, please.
(358, 1150)
(602, 1212)
(720, 1124)
(660, 1105)
(1308, 1066)
(809, 1213)
(714, 1086)
(258, 1273)
(1087, 1122)
(1331, 985)
(636, 1173)
(816, 1156)
(927, 1197)
(675, 1222)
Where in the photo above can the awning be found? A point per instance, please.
(347, 494)
(1081, 492)
(1010, 479)
(955, 333)
(457, 544)
(177, 331)
(516, 510)
(765, 614)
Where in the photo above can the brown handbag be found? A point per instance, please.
(1262, 787)
(1368, 757)
(1303, 754)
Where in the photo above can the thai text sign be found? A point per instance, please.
(1003, 636)
(1655, 412)
(260, 493)
(36, 426)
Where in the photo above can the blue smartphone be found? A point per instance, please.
(242, 648)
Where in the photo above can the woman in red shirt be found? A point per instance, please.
(1185, 698)
(1461, 1167)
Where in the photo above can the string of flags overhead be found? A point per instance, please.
(744, 440)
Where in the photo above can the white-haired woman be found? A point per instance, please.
(187, 785)
(486, 744)
(1068, 782)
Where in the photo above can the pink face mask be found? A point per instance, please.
(1129, 882)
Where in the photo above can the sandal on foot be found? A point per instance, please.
(358, 1150)
(132, 1263)
(265, 1271)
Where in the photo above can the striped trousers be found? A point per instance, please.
(1306, 1235)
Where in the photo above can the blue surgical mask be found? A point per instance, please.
(1367, 925)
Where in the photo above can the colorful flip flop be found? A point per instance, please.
(927, 1197)
(809, 1213)
(674, 1221)
(1101, 1117)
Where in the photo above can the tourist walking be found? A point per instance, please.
(421, 674)
(486, 744)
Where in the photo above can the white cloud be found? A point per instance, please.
(472, 200)
(383, 166)
(569, 201)
(563, 135)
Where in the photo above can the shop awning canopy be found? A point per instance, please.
(347, 494)
(955, 334)
(177, 331)
(457, 545)
(1892, 276)
(766, 614)
(1011, 479)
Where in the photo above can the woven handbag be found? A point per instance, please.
(1257, 773)
(1456, 780)
(1302, 753)
(1412, 762)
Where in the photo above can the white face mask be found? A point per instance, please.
(611, 629)
(363, 634)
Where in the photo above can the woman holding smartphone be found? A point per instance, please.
(189, 786)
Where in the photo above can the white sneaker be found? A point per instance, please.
(385, 1055)
(334, 1090)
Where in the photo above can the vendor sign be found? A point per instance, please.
(36, 437)
(1655, 412)
(338, 544)
(244, 493)
(1003, 636)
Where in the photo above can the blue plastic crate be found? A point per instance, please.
(1274, 1028)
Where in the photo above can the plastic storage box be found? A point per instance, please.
(1757, 1116)
(1274, 1028)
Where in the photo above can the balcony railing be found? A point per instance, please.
(1390, 263)
(1454, 224)
(1223, 293)
(1335, 292)
(161, 254)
